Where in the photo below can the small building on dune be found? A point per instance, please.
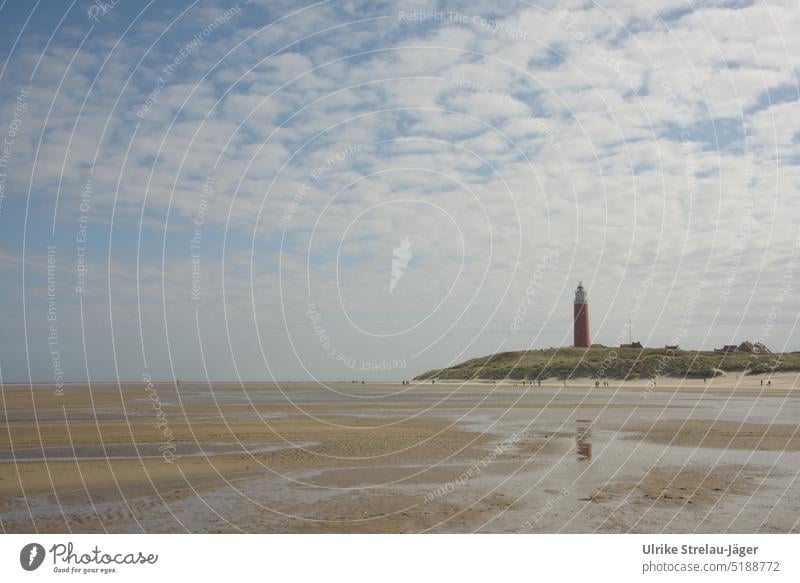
(636, 344)
(726, 349)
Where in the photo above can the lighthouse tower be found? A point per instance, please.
(580, 311)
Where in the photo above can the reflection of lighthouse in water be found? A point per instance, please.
(580, 311)
(583, 435)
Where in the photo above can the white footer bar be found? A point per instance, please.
(401, 558)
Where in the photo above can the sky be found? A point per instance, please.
(350, 190)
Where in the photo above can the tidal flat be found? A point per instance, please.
(681, 456)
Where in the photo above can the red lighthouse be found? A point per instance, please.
(580, 311)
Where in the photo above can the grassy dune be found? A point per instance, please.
(613, 363)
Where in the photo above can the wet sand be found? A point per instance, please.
(681, 456)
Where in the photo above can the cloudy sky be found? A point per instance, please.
(352, 189)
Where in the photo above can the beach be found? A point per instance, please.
(670, 456)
